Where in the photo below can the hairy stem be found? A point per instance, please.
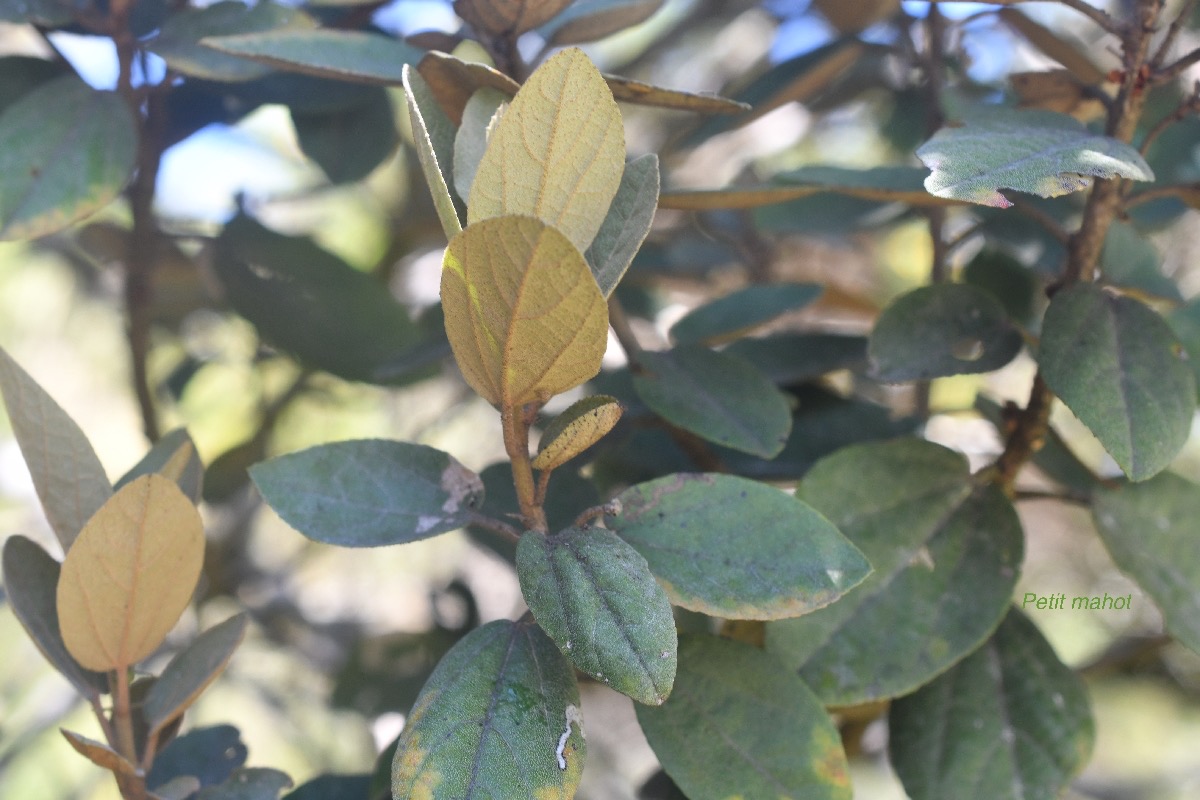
(515, 422)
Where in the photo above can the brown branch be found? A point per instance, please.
(1177, 24)
(515, 423)
(1179, 191)
(493, 525)
(1176, 68)
(1096, 15)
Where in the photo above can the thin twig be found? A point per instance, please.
(1177, 191)
(1176, 68)
(493, 525)
(1168, 41)
(1188, 106)
(1063, 497)
(1048, 222)
(1096, 15)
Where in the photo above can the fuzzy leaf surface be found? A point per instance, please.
(946, 556)
(1010, 722)
(369, 492)
(173, 456)
(191, 671)
(627, 223)
(1118, 366)
(735, 548)
(596, 598)
(741, 724)
(434, 136)
(342, 55)
(499, 717)
(583, 424)
(524, 315)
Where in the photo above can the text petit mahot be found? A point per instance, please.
(1079, 603)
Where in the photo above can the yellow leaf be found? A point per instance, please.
(557, 153)
(576, 429)
(524, 316)
(130, 574)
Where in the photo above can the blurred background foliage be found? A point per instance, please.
(343, 639)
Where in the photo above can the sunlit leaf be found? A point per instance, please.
(736, 314)
(946, 329)
(508, 17)
(191, 671)
(173, 456)
(1039, 152)
(130, 574)
(67, 474)
(741, 724)
(1119, 368)
(557, 153)
(596, 598)
(1150, 530)
(30, 581)
(434, 137)
(627, 90)
(499, 717)
(716, 396)
(1010, 722)
(589, 20)
(369, 492)
(579, 427)
(480, 116)
(66, 151)
(625, 226)
(524, 315)
(452, 81)
(945, 555)
(325, 53)
(791, 560)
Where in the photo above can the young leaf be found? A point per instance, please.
(130, 574)
(66, 151)
(369, 492)
(499, 717)
(1150, 530)
(480, 116)
(30, 581)
(741, 724)
(628, 221)
(66, 472)
(589, 20)
(736, 314)
(557, 153)
(509, 18)
(576, 429)
(343, 55)
(348, 144)
(524, 315)
(1039, 152)
(716, 396)
(594, 595)
(946, 555)
(935, 331)
(452, 81)
(791, 561)
(191, 671)
(1010, 722)
(434, 137)
(1118, 367)
(173, 456)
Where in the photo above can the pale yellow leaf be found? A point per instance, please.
(524, 315)
(576, 429)
(557, 153)
(130, 574)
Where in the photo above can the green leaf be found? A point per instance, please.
(67, 474)
(1131, 260)
(524, 315)
(21, 74)
(1118, 367)
(210, 754)
(313, 305)
(480, 117)
(736, 314)
(499, 717)
(349, 144)
(174, 456)
(191, 671)
(48, 13)
(589, 20)
(1185, 321)
(1006, 278)
(741, 724)
(345, 55)
(792, 562)
(66, 151)
(1150, 530)
(369, 492)
(628, 221)
(595, 597)
(248, 783)
(791, 358)
(333, 787)
(1009, 722)
(433, 134)
(557, 153)
(716, 396)
(935, 331)
(1039, 152)
(945, 553)
(30, 582)
(178, 42)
